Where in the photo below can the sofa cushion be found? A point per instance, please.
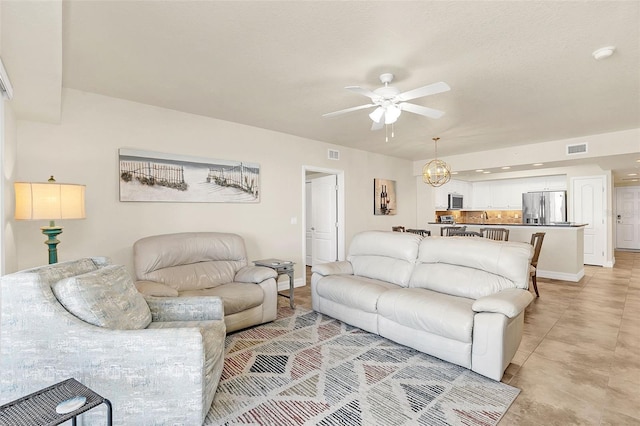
(152, 288)
(458, 280)
(190, 260)
(236, 297)
(105, 297)
(420, 309)
(486, 267)
(384, 256)
(355, 292)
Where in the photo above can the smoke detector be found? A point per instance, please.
(603, 52)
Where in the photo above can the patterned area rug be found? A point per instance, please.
(309, 369)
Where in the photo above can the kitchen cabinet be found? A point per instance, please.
(503, 194)
(441, 198)
(546, 183)
(507, 194)
(452, 187)
(497, 195)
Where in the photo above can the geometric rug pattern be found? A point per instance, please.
(309, 369)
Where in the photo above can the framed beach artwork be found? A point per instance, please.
(157, 176)
(384, 197)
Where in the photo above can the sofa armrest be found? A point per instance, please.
(202, 308)
(333, 268)
(255, 274)
(509, 302)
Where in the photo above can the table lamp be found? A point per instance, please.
(49, 201)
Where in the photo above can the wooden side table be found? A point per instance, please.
(39, 408)
(282, 267)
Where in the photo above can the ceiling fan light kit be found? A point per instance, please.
(390, 102)
(436, 172)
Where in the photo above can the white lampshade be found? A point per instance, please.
(376, 115)
(49, 201)
(391, 114)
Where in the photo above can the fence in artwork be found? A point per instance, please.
(149, 173)
(240, 176)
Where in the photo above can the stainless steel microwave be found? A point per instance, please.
(455, 202)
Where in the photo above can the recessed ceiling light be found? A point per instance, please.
(486, 172)
(505, 168)
(538, 164)
(480, 170)
(603, 52)
(632, 174)
(638, 160)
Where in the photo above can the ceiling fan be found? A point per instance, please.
(390, 102)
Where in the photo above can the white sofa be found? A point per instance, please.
(460, 299)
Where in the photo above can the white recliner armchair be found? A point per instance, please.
(195, 264)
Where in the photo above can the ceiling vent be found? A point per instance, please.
(577, 149)
(334, 154)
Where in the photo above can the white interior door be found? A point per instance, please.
(588, 207)
(628, 217)
(324, 231)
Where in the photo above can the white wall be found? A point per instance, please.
(8, 252)
(83, 148)
(602, 145)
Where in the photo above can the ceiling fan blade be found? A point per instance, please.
(431, 89)
(419, 109)
(344, 111)
(361, 91)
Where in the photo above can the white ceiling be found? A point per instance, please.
(520, 72)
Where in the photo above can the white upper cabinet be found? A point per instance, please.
(441, 196)
(452, 187)
(507, 194)
(503, 194)
(496, 195)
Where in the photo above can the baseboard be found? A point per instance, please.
(283, 283)
(554, 275)
(610, 264)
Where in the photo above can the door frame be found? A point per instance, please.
(340, 214)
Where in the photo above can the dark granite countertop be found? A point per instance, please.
(554, 225)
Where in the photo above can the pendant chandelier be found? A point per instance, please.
(436, 172)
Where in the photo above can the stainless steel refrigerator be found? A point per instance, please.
(544, 207)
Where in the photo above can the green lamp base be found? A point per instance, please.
(52, 232)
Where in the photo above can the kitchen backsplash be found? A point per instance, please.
(496, 217)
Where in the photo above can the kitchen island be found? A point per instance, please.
(562, 253)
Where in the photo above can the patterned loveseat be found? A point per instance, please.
(157, 360)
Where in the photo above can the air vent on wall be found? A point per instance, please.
(577, 149)
(334, 154)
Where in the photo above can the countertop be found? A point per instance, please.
(553, 225)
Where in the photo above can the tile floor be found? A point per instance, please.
(579, 360)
